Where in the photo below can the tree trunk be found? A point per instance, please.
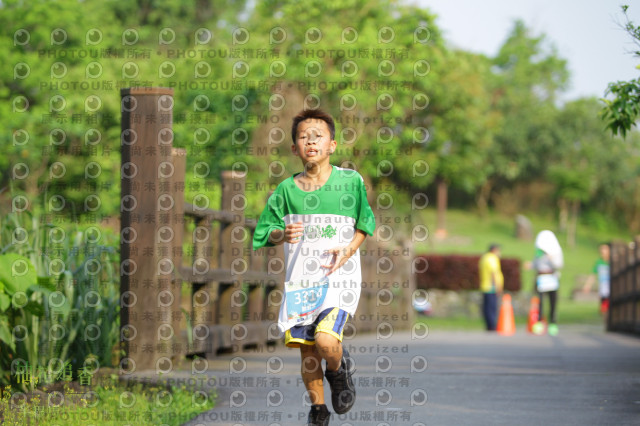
(563, 216)
(441, 227)
(482, 200)
(573, 224)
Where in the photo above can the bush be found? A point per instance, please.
(459, 272)
(59, 300)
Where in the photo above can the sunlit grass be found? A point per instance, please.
(468, 233)
(106, 404)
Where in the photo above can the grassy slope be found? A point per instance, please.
(470, 234)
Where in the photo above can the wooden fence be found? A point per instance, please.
(190, 283)
(624, 304)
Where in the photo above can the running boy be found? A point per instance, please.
(322, 216)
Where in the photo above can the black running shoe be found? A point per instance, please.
(343, 392)
(319, 416)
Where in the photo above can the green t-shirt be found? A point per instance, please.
(330, 216)
(601, 269)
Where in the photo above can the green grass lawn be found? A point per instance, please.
(468, 233)
(569, 313)
(109, 403)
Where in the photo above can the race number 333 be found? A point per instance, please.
(304, 297)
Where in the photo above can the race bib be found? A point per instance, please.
(304, 298)
(547, 282)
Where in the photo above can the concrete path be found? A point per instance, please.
(581, 377)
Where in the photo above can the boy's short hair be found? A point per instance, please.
(312, 113)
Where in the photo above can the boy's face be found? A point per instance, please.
(313, 141)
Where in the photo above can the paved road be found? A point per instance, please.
(581, 377)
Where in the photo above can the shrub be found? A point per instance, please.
(59, 300)
(459, 272)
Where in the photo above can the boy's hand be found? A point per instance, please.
(293, 232)
(339, 257)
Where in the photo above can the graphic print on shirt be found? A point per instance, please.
(330, 216)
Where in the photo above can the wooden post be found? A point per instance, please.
(276, 270)
(635, 287)
(146, 203)
(178, 323)
(624, 299)
(630, 285)
(204, 296)
(274, 285)
(617, 267)
(231, 248)
(367, 305)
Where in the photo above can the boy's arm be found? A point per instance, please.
(342, 254)
(276, 237)
(290, 234)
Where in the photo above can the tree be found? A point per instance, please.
(380, 67)
(463, 128)
(528, 77)
(48, 147)
(621, 112)
(42, 62)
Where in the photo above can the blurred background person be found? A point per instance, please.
(601, 272)
(547, 262)
(491, 285)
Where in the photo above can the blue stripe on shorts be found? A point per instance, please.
(307, 332)
(340, 320)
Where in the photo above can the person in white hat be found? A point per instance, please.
(547, 263)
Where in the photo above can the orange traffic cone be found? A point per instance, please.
(533, 313)
(506, 322)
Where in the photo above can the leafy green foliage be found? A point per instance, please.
(621, 112)
(17, 273)
(529, 76)
(64, 297)
(422, 110)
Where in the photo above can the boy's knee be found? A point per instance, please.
(325, 341)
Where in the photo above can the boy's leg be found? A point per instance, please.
(330, 349)
(338, 372)
(325, 343)
(311, 372)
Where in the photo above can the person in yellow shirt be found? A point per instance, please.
(491, 285)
